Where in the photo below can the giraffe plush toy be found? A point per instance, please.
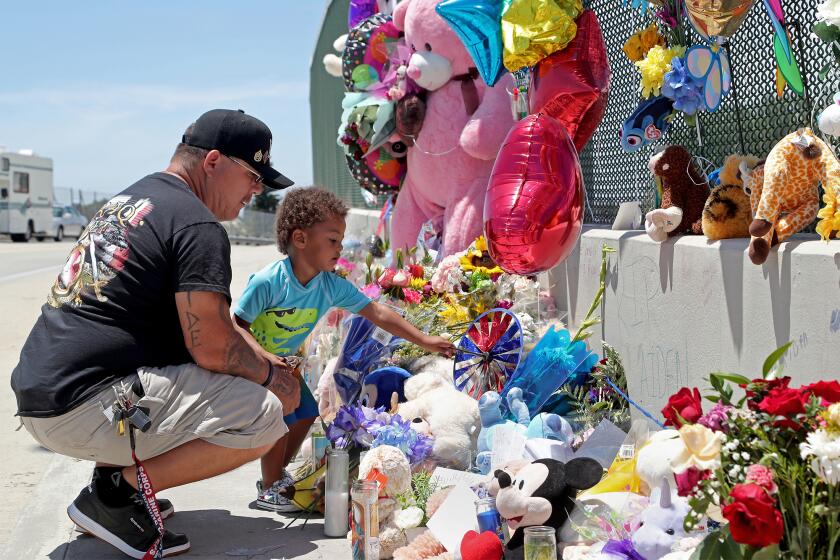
(784, 192)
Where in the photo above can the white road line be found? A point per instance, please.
(10, 277)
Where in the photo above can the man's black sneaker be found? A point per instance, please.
(167, 510)
(128, 528)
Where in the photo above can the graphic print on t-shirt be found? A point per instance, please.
(282, 330)
(100, 252)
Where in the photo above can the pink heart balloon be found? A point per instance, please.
(533, 210)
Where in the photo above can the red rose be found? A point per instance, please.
(782, 401)
(416, 271)
(687, 404)
(753, 517)
(828, 391)
(689, 479)
(760, 387)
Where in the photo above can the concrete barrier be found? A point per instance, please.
(688, 307)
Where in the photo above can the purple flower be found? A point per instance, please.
(685, 91)
(399, 433)
(716, 418)
(348, 427)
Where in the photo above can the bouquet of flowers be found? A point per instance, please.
(766, 465)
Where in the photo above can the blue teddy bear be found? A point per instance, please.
(543, 425)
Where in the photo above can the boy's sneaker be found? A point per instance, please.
(274, 498)
(128, 528)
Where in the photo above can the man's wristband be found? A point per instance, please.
(270, 375)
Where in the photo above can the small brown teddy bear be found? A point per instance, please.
(684, 192)
(728, 213)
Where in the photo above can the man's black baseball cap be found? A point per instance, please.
(238, 135)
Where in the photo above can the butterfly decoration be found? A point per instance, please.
(709, 64)
(787, 70)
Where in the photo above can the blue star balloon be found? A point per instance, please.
(478, 23)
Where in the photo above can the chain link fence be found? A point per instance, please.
(85, 201)
(751, 118)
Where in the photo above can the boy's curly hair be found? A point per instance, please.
(303, 208)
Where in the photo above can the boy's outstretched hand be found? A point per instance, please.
(438, 345)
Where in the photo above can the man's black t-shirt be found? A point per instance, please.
(112, 308)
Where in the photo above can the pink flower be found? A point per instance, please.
(762, 476)
(345, 264)
(386, 280)
(716, 418)
(412, 296)
(373, 291)
(401, 278)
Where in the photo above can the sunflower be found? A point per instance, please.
(477, 258)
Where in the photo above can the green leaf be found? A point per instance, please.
(733, 377)
(709, 549)
(768, 553)
(826, 32)
(729, 549)
(773, 358)
(825, 70)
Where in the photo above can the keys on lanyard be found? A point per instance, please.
(125, 411)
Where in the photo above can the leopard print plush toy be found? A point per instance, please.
(784, 193)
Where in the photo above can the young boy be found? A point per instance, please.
(283, 302)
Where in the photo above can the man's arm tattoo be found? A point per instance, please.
(239, 356)
(283, 383)
(192, 328)
(192, 324)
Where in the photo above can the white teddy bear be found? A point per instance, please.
(438, 408)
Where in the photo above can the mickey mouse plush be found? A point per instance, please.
(542, 493)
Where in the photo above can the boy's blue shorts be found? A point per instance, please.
(307, 408)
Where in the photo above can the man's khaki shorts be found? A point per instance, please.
(185, 403)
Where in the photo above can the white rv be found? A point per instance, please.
(26, 195)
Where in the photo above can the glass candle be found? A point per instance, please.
(488, 517)
(365, 520)
(540, 543)
(337, 493)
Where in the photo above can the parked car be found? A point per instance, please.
(67, 221)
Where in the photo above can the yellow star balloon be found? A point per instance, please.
(533, 29)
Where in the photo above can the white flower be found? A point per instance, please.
(745, 456)
(829, 12)
(701, 449)
(409, 517)
(832, 416)
(825, 450)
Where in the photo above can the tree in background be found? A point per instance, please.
(266, 201)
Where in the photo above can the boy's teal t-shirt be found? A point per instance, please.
(282, 312)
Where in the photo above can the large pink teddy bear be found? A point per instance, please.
(450, 163)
